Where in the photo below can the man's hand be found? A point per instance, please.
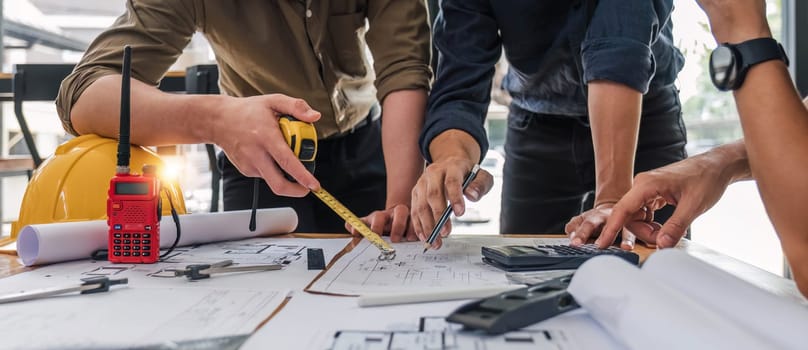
(392, 221)
(693, 185)
(735, 21)
(580, 228)
(247, 131)
(442, 182)
(454, 154)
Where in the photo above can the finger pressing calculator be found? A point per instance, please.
(548, 257)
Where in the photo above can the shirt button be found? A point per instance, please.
(308, 13)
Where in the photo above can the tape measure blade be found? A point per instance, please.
(352, 219)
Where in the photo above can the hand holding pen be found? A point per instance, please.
(448, 211)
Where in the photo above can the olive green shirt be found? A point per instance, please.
(311, 49)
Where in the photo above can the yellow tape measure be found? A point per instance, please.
(302, 138)
(387, 252)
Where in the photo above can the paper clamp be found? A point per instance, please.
(88, 286)
(512, 310)
(203, 271)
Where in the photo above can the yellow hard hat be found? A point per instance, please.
(72, 185)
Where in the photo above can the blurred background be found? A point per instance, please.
(57, 31)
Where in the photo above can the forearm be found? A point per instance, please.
(614, 118)
(778, 153)
(731, 160)
(403, 120)
(774, 123)
(158, 118)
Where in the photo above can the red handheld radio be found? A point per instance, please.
(133, 205)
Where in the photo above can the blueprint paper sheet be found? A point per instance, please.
(130, 317)
(290, 252)
(311, 321)
(153, 307)
(457, 264)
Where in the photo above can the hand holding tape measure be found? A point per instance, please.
(302, 139)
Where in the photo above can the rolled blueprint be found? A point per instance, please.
(642, 312)
(781, 320)
(52, 243)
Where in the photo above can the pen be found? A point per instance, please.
(448, 211)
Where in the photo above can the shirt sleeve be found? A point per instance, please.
(398, 38)
(157, 31)
(617, 46)
(467, 37)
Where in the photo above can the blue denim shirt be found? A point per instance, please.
(552, 53)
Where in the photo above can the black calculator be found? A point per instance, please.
(548, 257)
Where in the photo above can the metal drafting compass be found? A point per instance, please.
(88, 286)
(202, 271)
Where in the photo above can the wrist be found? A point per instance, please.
(739, 36)
(608, 198)
(733, 162)
(610, 191)
(399, 190)
(391, 202)
(454, 145)
(731, 25)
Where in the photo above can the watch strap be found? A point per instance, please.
(759, 50)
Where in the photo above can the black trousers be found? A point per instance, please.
(549, 171)
(350, 167)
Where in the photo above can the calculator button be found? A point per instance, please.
(135, 247)
(126, 247)
(116, 235)
(146, 253)
(116, 253)
(126, 235)
(136, 241)
(135, 235)
(116, 241)
(146, 241)
(147, 235)
(147, 228)
(116, 227)
(135, 253)
(126, 254)
(117, 247)
(127, 241)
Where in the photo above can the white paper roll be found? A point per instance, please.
(643, 313)
(52, 243)
(782, 321)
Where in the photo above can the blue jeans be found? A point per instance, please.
(549, 171)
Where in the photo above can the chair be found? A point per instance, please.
(204, 79)
(35, 82)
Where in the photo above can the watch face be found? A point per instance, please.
(724, 68)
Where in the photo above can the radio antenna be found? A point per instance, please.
(123, 138)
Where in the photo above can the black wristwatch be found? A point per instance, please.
(730, 62)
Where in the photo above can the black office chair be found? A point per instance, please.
(35, 82)
(204, 79)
